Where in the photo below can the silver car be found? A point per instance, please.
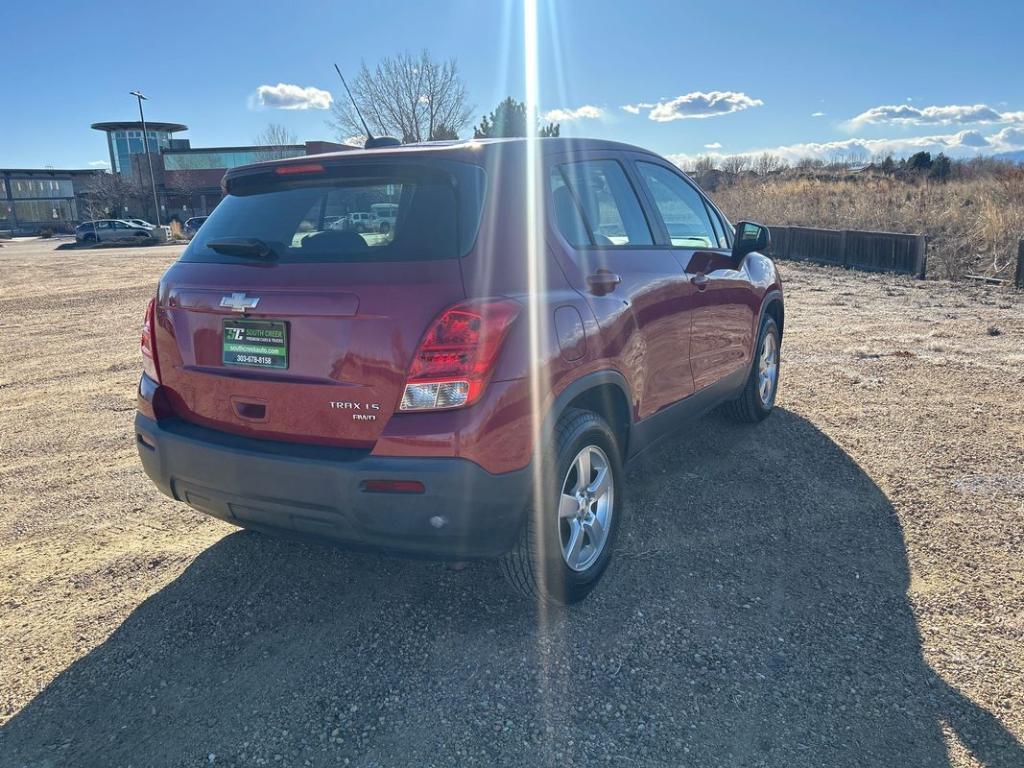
(108, 230)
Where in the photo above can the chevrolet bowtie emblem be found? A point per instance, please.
(239, 302)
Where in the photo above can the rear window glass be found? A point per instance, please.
(352, 212)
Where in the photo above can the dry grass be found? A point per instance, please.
(973, 226)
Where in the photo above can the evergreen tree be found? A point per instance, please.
(509, 119)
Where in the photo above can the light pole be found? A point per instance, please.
(145, 143)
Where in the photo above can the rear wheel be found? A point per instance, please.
(568, 537)
(758, 397)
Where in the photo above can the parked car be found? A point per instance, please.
(361, 221)
(354, 222)
(152, 227)
(384, 216)
(192, 225)
(468, 388)
(107, 230)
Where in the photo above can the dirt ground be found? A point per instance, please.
(842, 585)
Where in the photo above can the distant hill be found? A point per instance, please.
(1011, 157)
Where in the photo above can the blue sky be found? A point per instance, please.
(810, 78)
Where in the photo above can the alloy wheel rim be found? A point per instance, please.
(768, 369)
(585, 508)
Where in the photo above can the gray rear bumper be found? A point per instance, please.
(316, 492)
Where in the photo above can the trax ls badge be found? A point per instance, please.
(345, 405)
(239, 302)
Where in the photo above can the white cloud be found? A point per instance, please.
(359, 140)
(713, 145)
(99, 163)
(965, 144)
(287, 96)
(904, 114)
(972, 139)
(817, 114)
(1008, 139)
(696, 105)
(567, 114)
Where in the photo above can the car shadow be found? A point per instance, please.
(756, 615)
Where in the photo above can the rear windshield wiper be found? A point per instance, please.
(247, 247)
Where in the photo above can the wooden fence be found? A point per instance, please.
(871, 251)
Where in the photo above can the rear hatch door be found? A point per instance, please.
(281, 321)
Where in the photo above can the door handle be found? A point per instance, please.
(603, 281)
(700, 280)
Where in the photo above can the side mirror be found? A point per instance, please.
(751, 237)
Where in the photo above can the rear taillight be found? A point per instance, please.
(149, 359)
(456, 356)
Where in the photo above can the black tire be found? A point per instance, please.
(89, 238)
(384, 228)
(749, 407)
(536, 567)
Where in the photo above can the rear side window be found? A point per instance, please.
(327, 217)
(681, 207)
(604, 202)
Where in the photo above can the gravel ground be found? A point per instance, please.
(839, 586)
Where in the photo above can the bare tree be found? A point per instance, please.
(273, 138)
(703, 164)
(857, 156)
(108, 194)
(735, 164)
(413, 98)
(768, 163)
(95, 199)
(808, 163)
(185, 181)
(836, 159)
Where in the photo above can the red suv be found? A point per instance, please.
(469, 383)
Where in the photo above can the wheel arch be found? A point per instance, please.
(606, 393)
(774, 307)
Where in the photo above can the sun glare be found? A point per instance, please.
(536, 275)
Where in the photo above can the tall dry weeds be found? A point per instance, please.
(973, 225)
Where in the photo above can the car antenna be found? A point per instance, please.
(371, 141)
